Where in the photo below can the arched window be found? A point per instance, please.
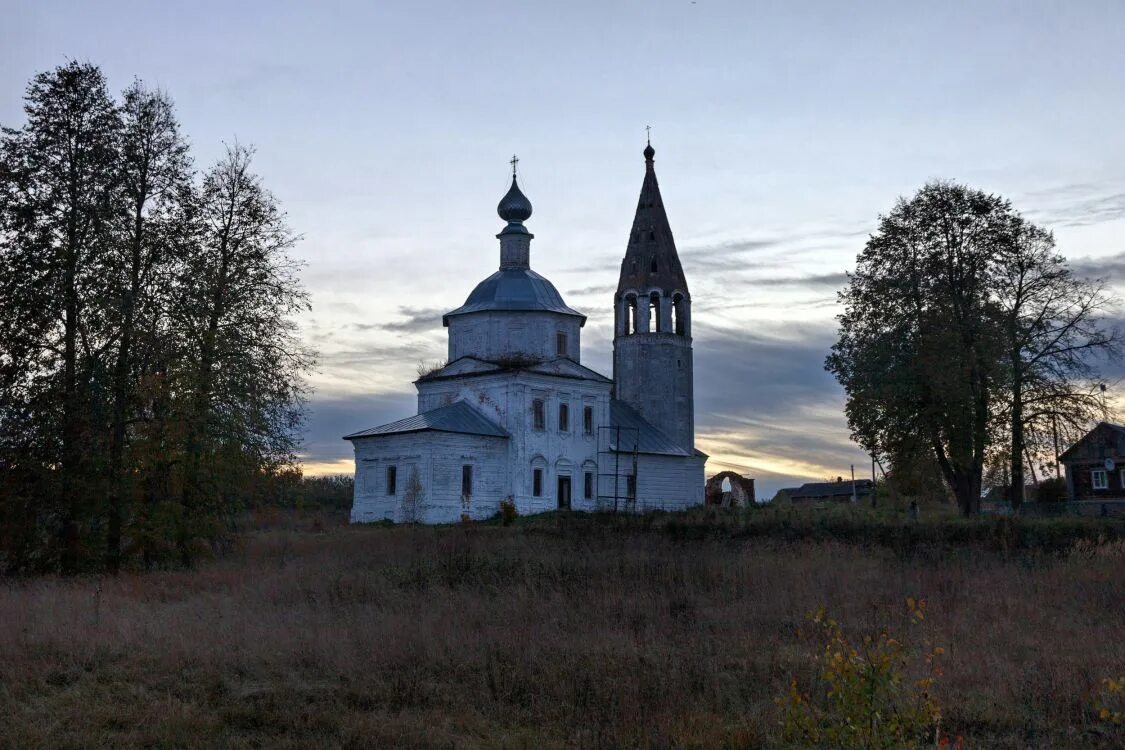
(654, 312)
(631, 314)
(538, 475)
(679, 311)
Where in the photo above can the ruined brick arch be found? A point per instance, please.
(741, 490)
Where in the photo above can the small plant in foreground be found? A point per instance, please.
(867, 694)
(1110, 703)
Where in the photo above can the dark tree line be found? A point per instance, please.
(967, 340)
(151, 380)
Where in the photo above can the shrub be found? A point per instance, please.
(869, 693)
(508, 512)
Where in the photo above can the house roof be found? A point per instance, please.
(471, 366)
(830, 489)
(1115, 431)
(639, 434)
(457, 417)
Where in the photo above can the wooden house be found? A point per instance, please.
(1095, 465)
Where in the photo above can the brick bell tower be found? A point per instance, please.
(652, 355)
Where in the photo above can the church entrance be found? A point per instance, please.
(564, 493)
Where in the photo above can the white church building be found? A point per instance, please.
(514, 415)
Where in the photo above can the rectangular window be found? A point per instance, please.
(538, 415)
(588, 420)
(631, 486)
(392, 479)
(560, 344)
(564, 418)
(1098, 479)
(537, 482)
(466, 481)
(1123, 479)
(588, 485)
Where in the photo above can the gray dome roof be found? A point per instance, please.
(517, 290)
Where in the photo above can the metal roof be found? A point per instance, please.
(646, 438)
(514, 289)
(456, 417)
(831, 489)
(562, 367)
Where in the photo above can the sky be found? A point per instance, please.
(782, 130)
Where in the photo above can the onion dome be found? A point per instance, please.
(514, 207)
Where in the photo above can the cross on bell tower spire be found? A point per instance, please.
(515, 160)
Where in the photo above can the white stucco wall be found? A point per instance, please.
(507, 399)
(438, 458)
(495, 335)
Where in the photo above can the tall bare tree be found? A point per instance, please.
(242, 361)
(1055, 333)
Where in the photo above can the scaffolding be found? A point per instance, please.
(617, 450)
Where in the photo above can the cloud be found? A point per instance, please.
(832, 280)
(418, 320)
(1109, 267)
(590, 291)
(330, 418)
(1077, 205)
(765, 404)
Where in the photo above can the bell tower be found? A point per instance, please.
(652, 355)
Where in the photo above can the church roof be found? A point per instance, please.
(514, 290)
(471, 366)
(651, 261)
(638, 433)
(456, 417)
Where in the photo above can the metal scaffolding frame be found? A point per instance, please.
(615, 454)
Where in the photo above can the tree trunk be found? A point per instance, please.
(122, 368)
(71, 432)
(200, 412)
(1016, 489)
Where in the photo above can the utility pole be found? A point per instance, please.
(854, 498)
(1055, 429)
(872, 480)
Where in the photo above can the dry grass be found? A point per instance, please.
(538, 636)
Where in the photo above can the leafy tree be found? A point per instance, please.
(151, 380)
(918, 350)
(58, 204)
(964, 331)
(154, 170)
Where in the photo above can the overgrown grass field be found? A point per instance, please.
(560, 632)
